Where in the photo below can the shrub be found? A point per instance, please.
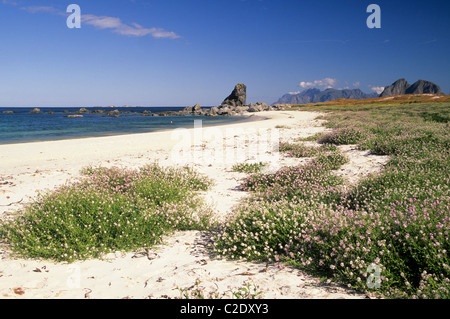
(312, 182)
(332, 160)
(311, 138)
(249, 167)
(396, 220)
(343, 136)
(109, 210)
(298, 150)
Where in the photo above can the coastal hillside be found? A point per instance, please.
(401, 87)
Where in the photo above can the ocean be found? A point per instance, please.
(22, 127)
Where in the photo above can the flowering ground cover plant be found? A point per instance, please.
(396, 222)
(111, 209)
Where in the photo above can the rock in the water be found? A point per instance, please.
(114, 113)
(213, 111)
(187, 110)
(238, 97)
(74, 115)
(8, 112)
(241, 109)
(264, 106)
(35, 111)
(83, 110)
(196, 110)
(259, 107)
(224, 110)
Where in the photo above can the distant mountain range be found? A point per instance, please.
(317, 96)
(399, 87)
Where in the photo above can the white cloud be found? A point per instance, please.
(326, 83)
(117, 26)
(101, 22)
(10, 2)
(46, 9)
(294, 93)
(104, 22)
(356, 84)
(377, 89)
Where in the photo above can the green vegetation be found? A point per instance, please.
(249, 167)
(109, 210)
(397, 221)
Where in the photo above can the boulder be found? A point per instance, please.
(224, 110)
(241, 109)
(258, 107)
(281, 107)
(114, 113)
(8, 112)
(254, 109)
(35, 111)
(213, 111)
(187, 110)
(83, 110)
(197, 108)
(74, 115)
(263, 106)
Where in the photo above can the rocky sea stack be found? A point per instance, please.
(238, 97)
(234, 104)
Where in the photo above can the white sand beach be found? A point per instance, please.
(28, 168)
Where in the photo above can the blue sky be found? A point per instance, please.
(183, 52)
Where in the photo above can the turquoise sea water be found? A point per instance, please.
(22, 127)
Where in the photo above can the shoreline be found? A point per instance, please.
(248, 117)
(28, 168)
